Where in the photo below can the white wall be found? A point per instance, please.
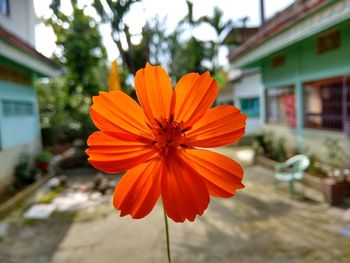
(226, 94)
(21, 21)
(250, 86)
(10, 157)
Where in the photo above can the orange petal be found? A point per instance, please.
(138, 190)
(194, 94)
(183, 191)
(221, 174)
(111, 154)
(220, 126)
(154, 91)
(116, 112)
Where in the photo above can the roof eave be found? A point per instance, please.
(40, 66)
(240, 56)
(17, 50)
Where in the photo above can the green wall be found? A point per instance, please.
(17, 128)
(20, 124)
(302, 63)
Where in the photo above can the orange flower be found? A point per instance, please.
(156, 144)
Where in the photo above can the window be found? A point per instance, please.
(278, 61)
(4, 7)
(280, 105)
(327, 104)
(19, 123)
(17, 108)
(328, 42)
(250, 106)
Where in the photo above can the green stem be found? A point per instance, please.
(167, 236)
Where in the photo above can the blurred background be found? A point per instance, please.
(284, 63)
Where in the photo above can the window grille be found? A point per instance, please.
(11, 108)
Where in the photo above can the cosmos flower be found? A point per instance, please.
(156, 143)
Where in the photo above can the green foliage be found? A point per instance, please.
(25, 174)
(180, 55)
(154, 33)
(274, 148)
(193, 55)
(316, 168)
(64, 101)
(48, 197)
(134, 56)
(187, 56)
(63, 114)
(119, 10)
(44, 157)
(80, 51)
(215, 21)
(337, 157)
(53, 99)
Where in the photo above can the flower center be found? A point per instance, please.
(168, 135)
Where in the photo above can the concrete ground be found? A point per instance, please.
(259, 224)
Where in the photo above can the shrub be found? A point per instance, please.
(265, 144)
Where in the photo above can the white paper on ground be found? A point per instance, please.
(40, 211)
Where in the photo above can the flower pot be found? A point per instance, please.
(334, 191)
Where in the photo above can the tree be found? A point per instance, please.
(112, 12)
(187, 56)
(64, 101)
(191, 54)
(79, 50)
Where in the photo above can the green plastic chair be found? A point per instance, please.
(291, 170)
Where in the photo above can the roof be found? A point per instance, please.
(15, 42)
(239, 35)
(278, 23)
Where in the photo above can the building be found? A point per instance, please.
(303, 56)
(20, 65)
(245, 87)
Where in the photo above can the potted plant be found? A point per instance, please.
(42, 161)
(25, 173)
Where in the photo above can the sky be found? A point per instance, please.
(172, 10)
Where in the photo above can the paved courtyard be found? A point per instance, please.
(257, 225)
